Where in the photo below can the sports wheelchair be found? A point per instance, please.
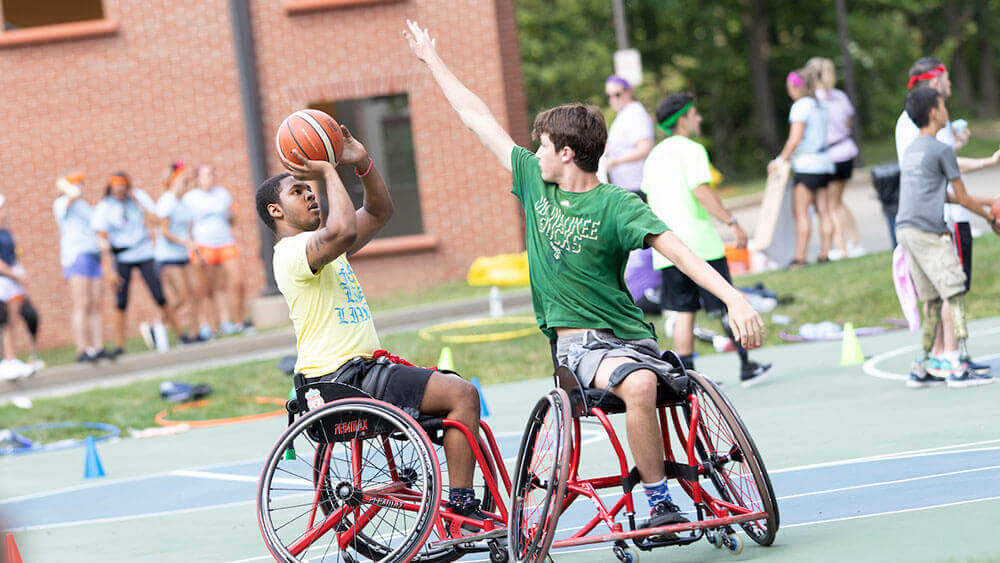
(353, 478)
(712, 445)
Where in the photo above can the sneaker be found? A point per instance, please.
(188, 339)
(88, 357)
(965, 377)
(205, 333)
(753, 373)
(160, 337)
(36, 363)
(835, 254)
(664, 514)
(920, 378)
(14, 369)
(147, 335)
(245, 328)
(111, 354)
(980, 369)
(227, 327)
(938, 367)
(856, 249)
(469, 510)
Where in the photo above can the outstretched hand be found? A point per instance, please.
(354, 153)
(420, 41)
(746, 324)
(306, 169)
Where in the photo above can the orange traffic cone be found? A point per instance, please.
(10, 553)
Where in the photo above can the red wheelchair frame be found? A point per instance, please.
(714, 443)
(348, 492)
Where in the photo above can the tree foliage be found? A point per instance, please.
(567, 48)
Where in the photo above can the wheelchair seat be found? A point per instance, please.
(583, 399)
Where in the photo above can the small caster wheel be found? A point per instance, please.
(733, 544)
(498, 553)
(626, 554)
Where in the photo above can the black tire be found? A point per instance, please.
(738, 472)
(544, 454)
(297, 495)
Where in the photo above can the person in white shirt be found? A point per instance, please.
(811, 164)
(842, 150)
(931, 72)
(173, 248)
(630, 136)
(81, 263)
(217, 253)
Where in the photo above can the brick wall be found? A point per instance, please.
(165, 86)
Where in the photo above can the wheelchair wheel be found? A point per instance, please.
(540, 479)
(736, 468)
(363, 484)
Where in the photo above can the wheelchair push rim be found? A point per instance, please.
(733, 462)
(540, 479)
(354, 479)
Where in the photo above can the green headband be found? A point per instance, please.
(669, 122)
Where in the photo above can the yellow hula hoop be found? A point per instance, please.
(433, 332)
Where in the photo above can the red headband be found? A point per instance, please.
(939, 69)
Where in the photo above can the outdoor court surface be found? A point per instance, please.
(864, 470)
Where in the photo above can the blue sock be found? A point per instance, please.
(460, 497)
(656, 492)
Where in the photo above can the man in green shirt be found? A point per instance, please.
(578, 233)
(676, 178)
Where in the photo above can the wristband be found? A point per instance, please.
(371, 163)
(733, 222)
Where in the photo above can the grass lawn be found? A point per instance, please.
(857, 290)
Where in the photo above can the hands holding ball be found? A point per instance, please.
(309, 139)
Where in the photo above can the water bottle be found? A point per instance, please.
(959, 126)
(496, 303)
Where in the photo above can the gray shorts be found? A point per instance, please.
(583, 352)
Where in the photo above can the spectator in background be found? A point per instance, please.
(173, 249)
(811, 164)
(843, 150)
(630, 137)
(931, 72)
(677, 178)
(222, 285)
(80, 257)
(15, 302)
(120, 223)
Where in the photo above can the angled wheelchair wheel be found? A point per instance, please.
(540, 479)
(735, 467)
(354, 480)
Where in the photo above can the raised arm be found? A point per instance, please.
(711, 202)
(377, 207)
(471, 109)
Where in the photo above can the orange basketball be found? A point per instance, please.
(314, 133)
(995, 208)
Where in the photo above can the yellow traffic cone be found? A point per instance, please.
(445, 361)
(850, 350)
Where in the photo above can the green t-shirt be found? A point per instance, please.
(673, 169)
(577, 246)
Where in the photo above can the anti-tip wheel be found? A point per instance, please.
(734, 544)
(714, 538)
(626, 554)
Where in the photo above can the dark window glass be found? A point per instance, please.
(19, 14)
(382, 124)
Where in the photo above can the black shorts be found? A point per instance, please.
(680, 293)
(963, 245)
(812, 181)
(396, 384)
(843, 170)
(149, 274)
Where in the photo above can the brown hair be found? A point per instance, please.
(577, 126)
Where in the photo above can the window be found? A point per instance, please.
(383, 124)
(22, 14)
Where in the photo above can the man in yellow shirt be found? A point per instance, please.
(335, 336)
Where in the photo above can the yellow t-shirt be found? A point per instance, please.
(328, 309)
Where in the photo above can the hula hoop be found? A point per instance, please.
(432, 332)
(112, 432)
(893, 324)
(162, 420)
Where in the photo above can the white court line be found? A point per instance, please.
(883, 457)
(870, 369)
(230, 477)
(894, 482)
(901, 511)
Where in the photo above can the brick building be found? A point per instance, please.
(105, 85)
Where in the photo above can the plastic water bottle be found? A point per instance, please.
(496, 302)
(959, 126)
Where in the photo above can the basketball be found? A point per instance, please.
(995, 208)
(313, 133)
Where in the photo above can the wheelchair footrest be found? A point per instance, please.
(471, 538)
(645, 532)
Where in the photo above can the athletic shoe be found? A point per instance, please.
(188, 339)
(205, 333)
(938, 367)
(753, 373)
(36, 363)
(111, 354)
(160, 337)
(88, 357)
(14, 369)
(980, 369)
(835, 254)
(856, 249)
(965, 377)
(227, 327)
(920, 378)
(147, 335)
(469, 510)
(664, 513)
(245, 328)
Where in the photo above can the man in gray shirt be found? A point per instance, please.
(925, 170)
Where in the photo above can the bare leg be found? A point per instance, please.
(645, 439)
(835, 193)
(825, 221)
(94, 321)
(456, 399)
(208, 296)
(684, 334)
(949, 343)
(171, 278)
(237, 303)
(79, 293)
(120, 328)
(188, 286)
(802, 198)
